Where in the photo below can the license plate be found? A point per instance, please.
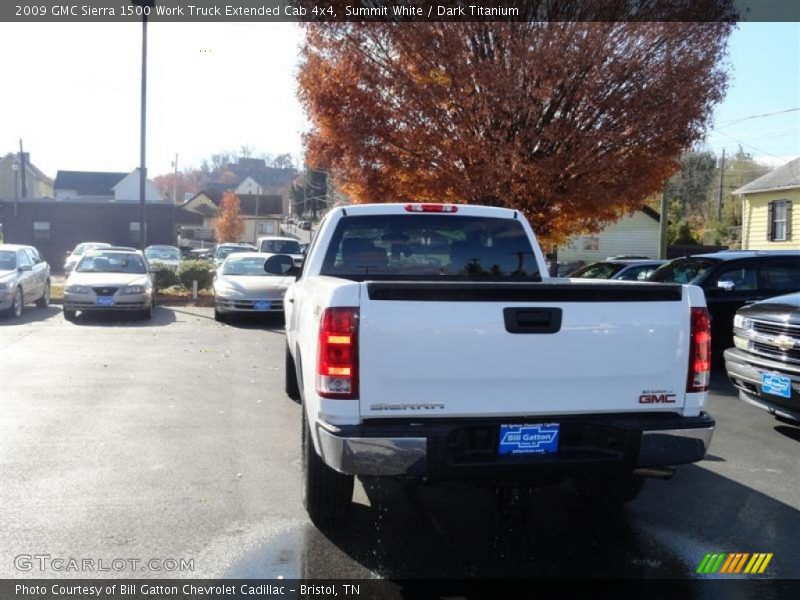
(262, 305)
(104, 301)
(777, 385)
(535, 438)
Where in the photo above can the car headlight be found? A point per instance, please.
(77, 289)
(134, 289)
(740, 322)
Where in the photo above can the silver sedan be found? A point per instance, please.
(243, 284)
(109, 280)
(24, 277)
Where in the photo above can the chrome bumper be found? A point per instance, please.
(371, 456)
(381, 455)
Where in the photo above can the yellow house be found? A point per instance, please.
(768, 221)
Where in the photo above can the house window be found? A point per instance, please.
(41, 231)
(780, 212)
(133, 231)
(591, 243)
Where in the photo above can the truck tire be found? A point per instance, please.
(327, 494)
(609, 490)
(292, 387)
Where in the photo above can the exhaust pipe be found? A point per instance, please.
(664, 473)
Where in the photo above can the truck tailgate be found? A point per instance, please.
(517, 349)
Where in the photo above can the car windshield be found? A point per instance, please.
(245, 266)
(8, 260)
(116, 262)
(163, 254)
(431, 247)
(598, 271)
(281, 247)
(225, 251)
(683, 270)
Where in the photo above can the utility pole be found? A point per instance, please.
(146, 5)
(258, 210)
(663, 223)
(23, 167)
(721, 184)
(175, 236)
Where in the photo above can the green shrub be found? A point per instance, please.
(195, 270)
(164, 276)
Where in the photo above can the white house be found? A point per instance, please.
(634, 235)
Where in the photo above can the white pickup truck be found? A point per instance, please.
(427, 341)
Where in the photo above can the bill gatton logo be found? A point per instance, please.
(733, 563)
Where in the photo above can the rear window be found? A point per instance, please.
(684, 270)
(280, 247)
(430, 247)
(598, 271)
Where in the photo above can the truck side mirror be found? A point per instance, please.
(279, 264)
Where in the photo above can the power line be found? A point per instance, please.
(769, 114)
(753, 147)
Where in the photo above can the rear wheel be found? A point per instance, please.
(609, 490)
(44, 301)
(291, 385)
(327, 494)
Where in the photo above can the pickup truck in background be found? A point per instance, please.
(765, 361)
(426, 341)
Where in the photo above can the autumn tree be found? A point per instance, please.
(230, 224)
(573, 123)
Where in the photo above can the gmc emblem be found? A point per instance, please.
(657, 399)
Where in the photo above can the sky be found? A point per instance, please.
(215, 86)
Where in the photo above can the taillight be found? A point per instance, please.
(436, 208)
(699, 351)
(337, 356)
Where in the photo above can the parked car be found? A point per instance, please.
(76, 254)
(764, 363)
(252, 282)
(599, 382)
(24, 278)
(732, 279)
(110, 280)
(201, 254)
(163, 255)
(281, 245)
(305, 225)
(621, 269)
(222, 251)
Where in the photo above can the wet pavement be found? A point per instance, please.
(173, 439)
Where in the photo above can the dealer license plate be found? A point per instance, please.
(530, 438)
(777, 385)
(104, 301)
(262, 305)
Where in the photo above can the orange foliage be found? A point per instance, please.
(572, 123)
(230, 224)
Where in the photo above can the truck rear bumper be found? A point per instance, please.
(466, 449)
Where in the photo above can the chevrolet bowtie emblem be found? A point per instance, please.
(784, 342)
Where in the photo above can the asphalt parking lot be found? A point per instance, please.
(173, 439)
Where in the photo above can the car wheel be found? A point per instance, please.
(609, 490)
(69, 315)
(327, 494)
(147, 313)
(16, 305)
(291, 385)
(44, 301)
(218, 316)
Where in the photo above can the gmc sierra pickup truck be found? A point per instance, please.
(427, 341)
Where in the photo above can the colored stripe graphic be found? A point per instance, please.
(734, 562)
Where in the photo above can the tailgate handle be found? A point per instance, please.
(532, 320)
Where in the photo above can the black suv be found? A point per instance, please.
(732, 279)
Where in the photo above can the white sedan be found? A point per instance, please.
(252, 282)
